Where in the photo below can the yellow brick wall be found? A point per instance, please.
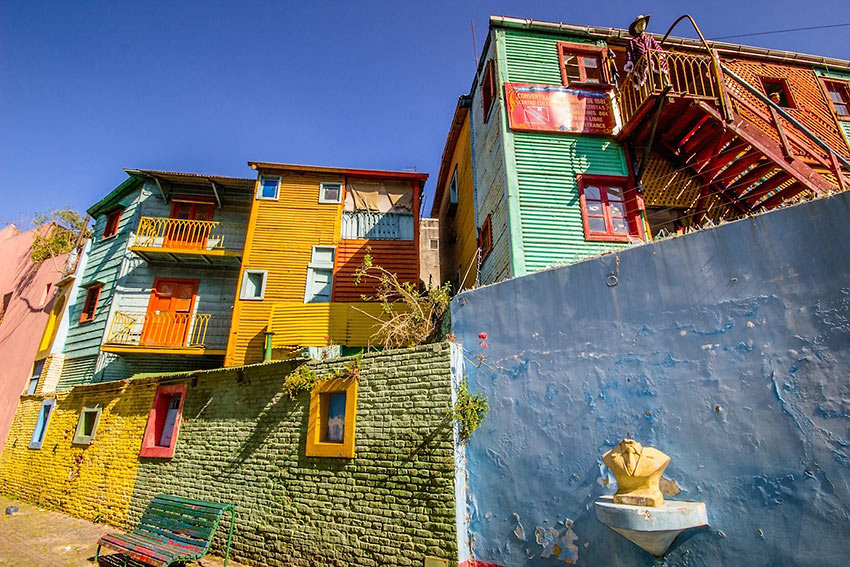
(94, 481)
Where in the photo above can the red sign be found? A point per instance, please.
(554, 108)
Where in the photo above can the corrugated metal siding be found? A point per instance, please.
(76, 371)
(320, 324)
(115, 367)
(395, 256)
(547, 166)
(844, 124)
(284, 234)
(533, 58)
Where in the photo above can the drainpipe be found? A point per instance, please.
(267, 346)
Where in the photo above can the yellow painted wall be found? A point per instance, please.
(313, 324)
(281, 236)
(459, 234)
(94, 481)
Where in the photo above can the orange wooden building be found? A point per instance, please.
(310, 229)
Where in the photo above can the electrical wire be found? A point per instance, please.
(780, 31)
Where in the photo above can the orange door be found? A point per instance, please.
(169, 314)
(185, 233)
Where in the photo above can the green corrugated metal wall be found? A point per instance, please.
(845, 124)
(547, 165)
(76, 371)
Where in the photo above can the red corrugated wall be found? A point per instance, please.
(397, 256)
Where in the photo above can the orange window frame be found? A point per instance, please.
(632, 212)
(781, 83)
(488, 88)
(583, 49)
(113, 219)
(90, 304)
(156, 422)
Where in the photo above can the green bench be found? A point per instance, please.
(172, 530)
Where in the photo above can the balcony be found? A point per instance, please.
(368, 225)
(168, 333)
(186, 241)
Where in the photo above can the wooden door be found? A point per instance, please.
(188, 234)
(169, 314)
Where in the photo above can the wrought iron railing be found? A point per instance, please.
(190, 235)
(168, 329)
(681, 74)
(377, 226)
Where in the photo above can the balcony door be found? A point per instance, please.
(190, 228)
(169, 314)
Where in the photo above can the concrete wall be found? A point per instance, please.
(727, 349)
(429, 259)
(242, 440)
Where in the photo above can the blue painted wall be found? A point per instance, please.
(727, 349)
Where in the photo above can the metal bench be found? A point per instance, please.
(172, 530)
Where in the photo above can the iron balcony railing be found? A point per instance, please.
(377, 226)
(190, 235)
(682, 74)
(168, 329)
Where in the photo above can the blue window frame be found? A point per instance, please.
(37, 369)
(41, 425)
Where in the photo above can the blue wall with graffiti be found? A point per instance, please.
(728, 349)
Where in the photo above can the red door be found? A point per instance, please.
(186, 233)
(169, 314)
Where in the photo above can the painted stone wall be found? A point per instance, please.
(727, 349)
(242, 440)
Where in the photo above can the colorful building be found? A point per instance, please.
(160, 278)
(310, 229)
(29, 295)
(557, 154)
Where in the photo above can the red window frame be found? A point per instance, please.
(90, 304)
(631, 209)
(156, 421)
(485, 238)
(585, 50)
(488, 88)
(842, 89)
(113, 219)
(783, 84)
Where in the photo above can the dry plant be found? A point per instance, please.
(408, 317)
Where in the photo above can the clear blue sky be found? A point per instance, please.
(89, 88)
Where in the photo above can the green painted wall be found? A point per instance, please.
(841, 76)
(546, 165)
(243, 440)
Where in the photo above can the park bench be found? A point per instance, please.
(172, 530)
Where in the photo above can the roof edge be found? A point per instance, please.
(413, 175)
(458, 120)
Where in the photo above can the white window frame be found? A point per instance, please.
(453, 188)
(313, 266)
(323, 199)
(264, 273)
(260, 181)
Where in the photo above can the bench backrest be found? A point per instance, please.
(186, 523)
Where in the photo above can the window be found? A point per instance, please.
(113, 219)
(485, 238)
(605, 210)
(253, 285)
(488, 88)
(839, 95)
(37, 369)
(320, 275)
(433, 243)
(7, 299)
(87, 424)
(330, 193)
(41, 424)
(90, 306)
(777, 90)
(330, 429)
(581, 63)
(268, 187)
(453, 188)
(164, 422)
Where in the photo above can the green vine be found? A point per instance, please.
(469, 410)
(302, 379)
(351, 369)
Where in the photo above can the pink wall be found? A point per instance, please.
(25, 317)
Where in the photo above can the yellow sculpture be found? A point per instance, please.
(638, 470)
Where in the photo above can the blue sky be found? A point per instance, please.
(89, 88)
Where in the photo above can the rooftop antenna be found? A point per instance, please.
(474, 47)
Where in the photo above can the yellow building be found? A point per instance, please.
(309, 230)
